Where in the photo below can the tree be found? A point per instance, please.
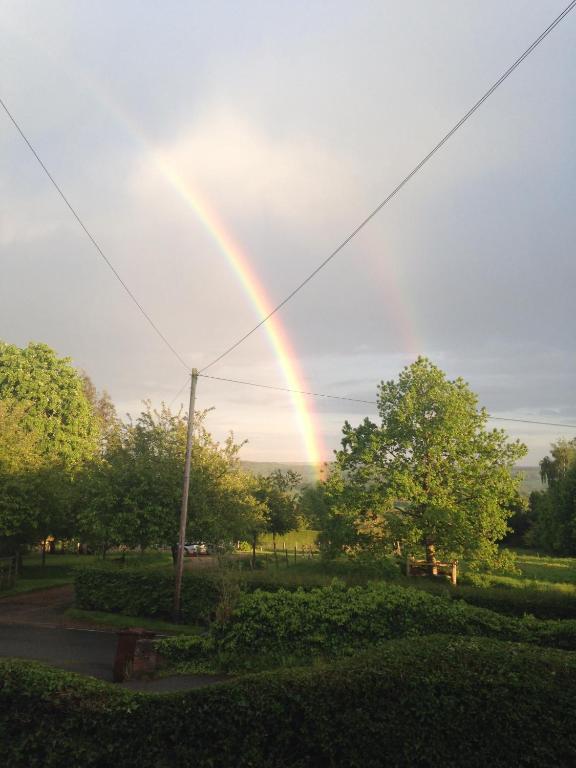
(57, 433)
(132, 494)
(431, 474)
(554, 509)
(20, 459)
(57, 408)
(278, 492)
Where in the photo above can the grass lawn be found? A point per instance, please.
(541, 572)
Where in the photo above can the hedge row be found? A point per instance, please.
(150, 592)
(292, 627)
(425, 702)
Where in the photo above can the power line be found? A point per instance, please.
(92, 238)
(177, 395)
(358, 400)
(404, 181)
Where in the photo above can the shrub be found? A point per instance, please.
(138, 592)
(290, 627)
(424, 702)
(150, 592)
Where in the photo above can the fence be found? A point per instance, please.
(416, 567)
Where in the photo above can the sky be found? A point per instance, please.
(181, 131)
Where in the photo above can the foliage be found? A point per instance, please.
(48, 431)
(430, 701)
(131, 496)
(553, 511)
(292, 627)
(278, 496)
(57, 409)
(145, 592)
(431, 474)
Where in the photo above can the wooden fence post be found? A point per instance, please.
(454, 572)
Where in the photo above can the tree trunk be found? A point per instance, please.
(43, 552)
(431, 558)
(254, 551)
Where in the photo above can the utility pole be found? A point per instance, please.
(185, 488)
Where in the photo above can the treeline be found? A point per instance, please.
(550, 521)
(70, 469)
(430, 479)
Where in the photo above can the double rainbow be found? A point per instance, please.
(305, 418)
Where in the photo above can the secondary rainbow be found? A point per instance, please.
(276, 334)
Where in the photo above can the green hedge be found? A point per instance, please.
(150, 592)
(424, 702)
(287, 627)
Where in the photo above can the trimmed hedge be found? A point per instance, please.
(150, 592)
(424, 702)
(292, 627)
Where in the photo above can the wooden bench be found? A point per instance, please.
(416, 567)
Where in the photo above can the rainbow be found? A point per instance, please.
(255, 291)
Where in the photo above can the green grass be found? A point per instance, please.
(540, 572)
(119, 621)
(293, 539)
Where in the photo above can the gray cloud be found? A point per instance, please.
(293, 123)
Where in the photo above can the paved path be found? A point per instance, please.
(85, 651)
(43, 608)
(33, 625)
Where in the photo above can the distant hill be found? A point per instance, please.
(531, 481)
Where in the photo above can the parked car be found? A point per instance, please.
(195, 548)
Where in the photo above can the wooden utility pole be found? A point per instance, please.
(184, 507)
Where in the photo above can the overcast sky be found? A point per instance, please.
(293, 120)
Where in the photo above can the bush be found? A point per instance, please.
(425, 702)
(268, 629)
(150, 592)
(138, 592)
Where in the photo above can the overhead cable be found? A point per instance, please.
(92, 238)
(397, 189)
(358, 400)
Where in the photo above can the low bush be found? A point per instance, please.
(283, 628)
(424, 702)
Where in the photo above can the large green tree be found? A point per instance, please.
(57, 408)
(131, 495)
(42, 404)
(431, 475)
(20, 461)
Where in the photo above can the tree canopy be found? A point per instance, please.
(57, 408)
(431, 474)
(553, 510)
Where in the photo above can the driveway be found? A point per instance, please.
(33, 625)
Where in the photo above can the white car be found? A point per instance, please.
(195, 548)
